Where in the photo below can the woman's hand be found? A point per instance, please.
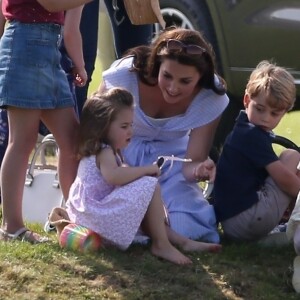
(205, 170)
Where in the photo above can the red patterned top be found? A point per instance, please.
(30, 11)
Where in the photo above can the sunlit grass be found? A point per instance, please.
(289, 127)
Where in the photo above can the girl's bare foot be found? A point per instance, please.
(170, 253)
(190, 246)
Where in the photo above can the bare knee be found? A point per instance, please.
(27, 146)
(290, 158)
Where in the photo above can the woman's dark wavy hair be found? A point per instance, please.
(98, 112)
(147, 59)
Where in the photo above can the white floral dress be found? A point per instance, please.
(114, 212)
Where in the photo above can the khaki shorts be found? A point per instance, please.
(257, 221)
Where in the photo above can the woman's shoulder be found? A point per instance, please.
(120, 74)
(124, 63)
(210, 104)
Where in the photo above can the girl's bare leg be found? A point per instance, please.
(23, 129)
(154, 225)
(63, 124)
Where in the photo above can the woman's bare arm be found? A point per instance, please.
(199, 146)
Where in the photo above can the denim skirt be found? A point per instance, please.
(30, 72)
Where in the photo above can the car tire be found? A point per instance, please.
(191, 14)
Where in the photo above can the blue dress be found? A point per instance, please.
(189, 213)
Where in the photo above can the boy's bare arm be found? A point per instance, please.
(61, 5)
(287, 180)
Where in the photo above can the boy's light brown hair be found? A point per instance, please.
(275, 82)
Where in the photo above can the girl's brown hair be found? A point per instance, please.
(97, 114)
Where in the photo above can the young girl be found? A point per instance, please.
(33, 87)
(71, 61)
(113, 199)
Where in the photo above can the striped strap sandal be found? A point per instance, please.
(23, 234)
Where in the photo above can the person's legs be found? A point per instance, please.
(154, 225)
(63, 124)
(290, 158)
(257, 221)
(127, 35)
(293, 233)
(23, 127)
(189, 245)
(297, 239)
(89, 33)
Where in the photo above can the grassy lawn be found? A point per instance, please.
(240, 271)
(289, 127)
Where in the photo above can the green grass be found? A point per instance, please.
(241, 271)
(289, 127)
(96, 78)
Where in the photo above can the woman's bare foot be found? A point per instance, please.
(170, 253)
(191, 246)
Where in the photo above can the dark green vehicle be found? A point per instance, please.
(242, 32)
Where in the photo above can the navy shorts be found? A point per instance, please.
(30, 72)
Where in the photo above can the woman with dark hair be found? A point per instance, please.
(179, 99)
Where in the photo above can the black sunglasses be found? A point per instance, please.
(175, 45)
(161, 160)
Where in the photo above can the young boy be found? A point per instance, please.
(253, 186)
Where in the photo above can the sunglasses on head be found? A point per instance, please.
(175, 45)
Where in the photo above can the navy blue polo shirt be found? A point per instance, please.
(241, 168)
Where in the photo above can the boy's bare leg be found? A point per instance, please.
(154, 225)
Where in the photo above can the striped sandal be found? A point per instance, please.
(23, 234)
